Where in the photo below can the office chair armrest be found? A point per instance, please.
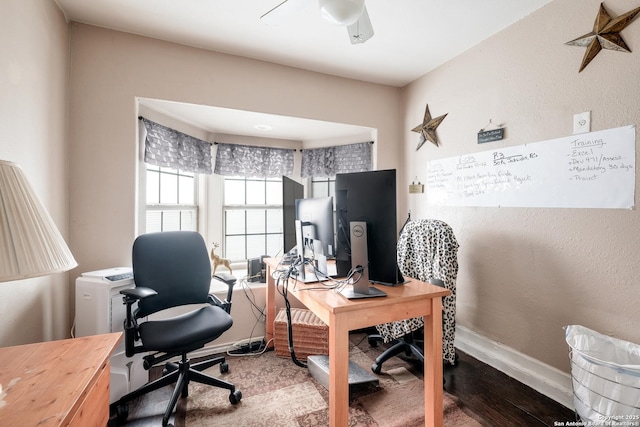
(138, 293)
(227, 278)
(130, 296)
(230, 281)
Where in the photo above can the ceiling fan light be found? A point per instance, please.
(341, 12)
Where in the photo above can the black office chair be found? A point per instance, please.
(173, 269)
(427, 251)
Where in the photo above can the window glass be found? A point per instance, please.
(319, 189)
(171, 221)
(274, 243)
(234, 191)
(256, 192)
(256, 219)
(171, 200)
(154, 221)
(186, 192)
(274, 221)
(235, 247)
(274, 192)
(153, 187)
(235, 221)
(168, 188)
(189, 220)
(253, 217)
(256, 245)
(323, 187)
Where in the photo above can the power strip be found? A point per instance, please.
(249, 348)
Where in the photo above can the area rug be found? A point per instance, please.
(277, 393)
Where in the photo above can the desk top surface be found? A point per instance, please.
(45, 383)
(411, 291)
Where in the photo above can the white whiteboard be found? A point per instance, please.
(592, 170)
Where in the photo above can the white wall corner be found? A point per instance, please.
(541, 377)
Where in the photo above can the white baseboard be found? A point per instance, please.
(541, 377)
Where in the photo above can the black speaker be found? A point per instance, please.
(256, 269)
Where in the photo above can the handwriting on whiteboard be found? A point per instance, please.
(589, 170)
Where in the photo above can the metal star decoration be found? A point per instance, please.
(428, 127)
(605, 35)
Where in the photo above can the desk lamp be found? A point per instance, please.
(30, 243)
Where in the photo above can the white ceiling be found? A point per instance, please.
(412, 37)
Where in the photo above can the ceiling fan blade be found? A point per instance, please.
(282, 12)
(361, 30)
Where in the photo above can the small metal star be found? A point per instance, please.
(605, 35)
(428, 127)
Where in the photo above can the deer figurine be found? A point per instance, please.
(219, 260)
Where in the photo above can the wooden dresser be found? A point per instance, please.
(57, 383)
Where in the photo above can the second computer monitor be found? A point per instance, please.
(291, 191)
(316, 215)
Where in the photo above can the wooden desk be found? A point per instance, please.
(57, 383)
(413, 299)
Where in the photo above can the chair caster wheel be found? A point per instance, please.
(119, 413)
(224, 367)
(168, 368)
(376, 368)
(235, 397)
(372, 342)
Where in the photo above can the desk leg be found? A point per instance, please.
(271, 307)
(338, 373)
(433, 395)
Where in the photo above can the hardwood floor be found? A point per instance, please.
(496, 398)
(499, 399)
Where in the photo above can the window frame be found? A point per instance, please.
(147, 207)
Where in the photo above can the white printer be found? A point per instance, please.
(100, 310)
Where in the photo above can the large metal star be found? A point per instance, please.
(605, 35)
(428, 127)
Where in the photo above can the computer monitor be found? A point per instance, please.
(368, 197)
(316, 215)
(291, 191)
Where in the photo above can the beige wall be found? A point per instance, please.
(109, 69)
(34, 50)
(526, 273)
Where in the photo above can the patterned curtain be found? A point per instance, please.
(249, 160)
(167, 147)
(329, 161)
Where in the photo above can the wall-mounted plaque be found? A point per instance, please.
(490, 135)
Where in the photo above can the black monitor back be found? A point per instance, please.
(291, 191)
(370, 197)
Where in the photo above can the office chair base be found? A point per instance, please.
(181, 374)
(408, 348)
(407, 345)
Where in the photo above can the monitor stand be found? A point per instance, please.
(360, 259)
(304, 272)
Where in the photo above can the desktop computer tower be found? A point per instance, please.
(100, 310)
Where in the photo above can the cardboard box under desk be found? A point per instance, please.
(310, 334)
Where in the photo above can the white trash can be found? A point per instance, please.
(605, 373)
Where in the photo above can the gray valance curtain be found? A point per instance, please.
(167, 147)
(249, 160)
(329, 161)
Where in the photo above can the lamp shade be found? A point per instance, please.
(30, 243)
(341, 12)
